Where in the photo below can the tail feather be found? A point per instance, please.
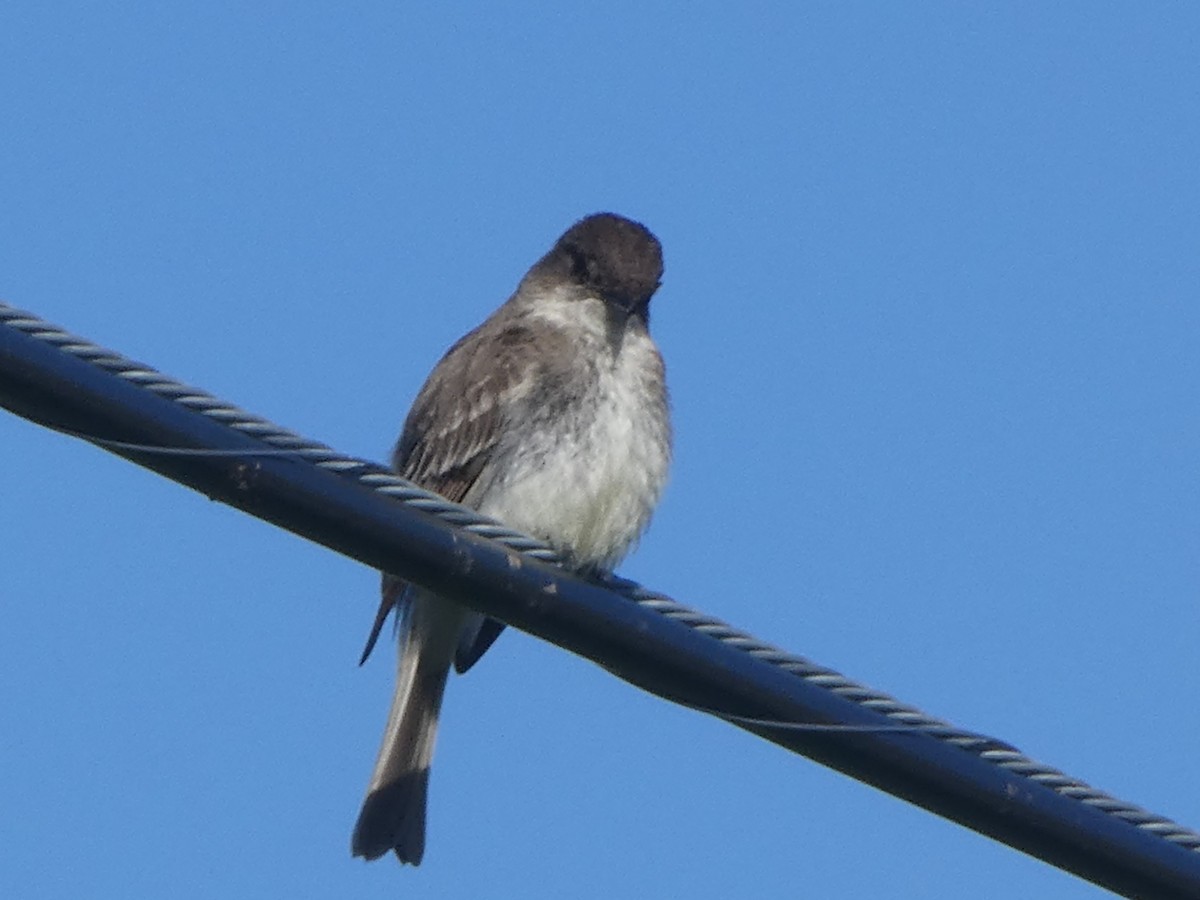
(393, 818)
(393, 814)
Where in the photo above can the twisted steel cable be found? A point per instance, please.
(382, 480)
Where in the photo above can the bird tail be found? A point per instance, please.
(393, 814)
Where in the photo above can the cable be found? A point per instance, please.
(348, 504)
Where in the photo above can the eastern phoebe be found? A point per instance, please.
(551, 417)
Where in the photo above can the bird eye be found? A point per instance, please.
(581, 265)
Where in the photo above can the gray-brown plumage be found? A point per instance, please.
(552, 417)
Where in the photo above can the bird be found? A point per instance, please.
(553, 417)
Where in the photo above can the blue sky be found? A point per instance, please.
(930, 321)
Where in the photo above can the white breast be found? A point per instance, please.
(593, 493)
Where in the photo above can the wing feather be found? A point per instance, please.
(454, 426)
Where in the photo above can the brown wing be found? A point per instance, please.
(457, 420)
